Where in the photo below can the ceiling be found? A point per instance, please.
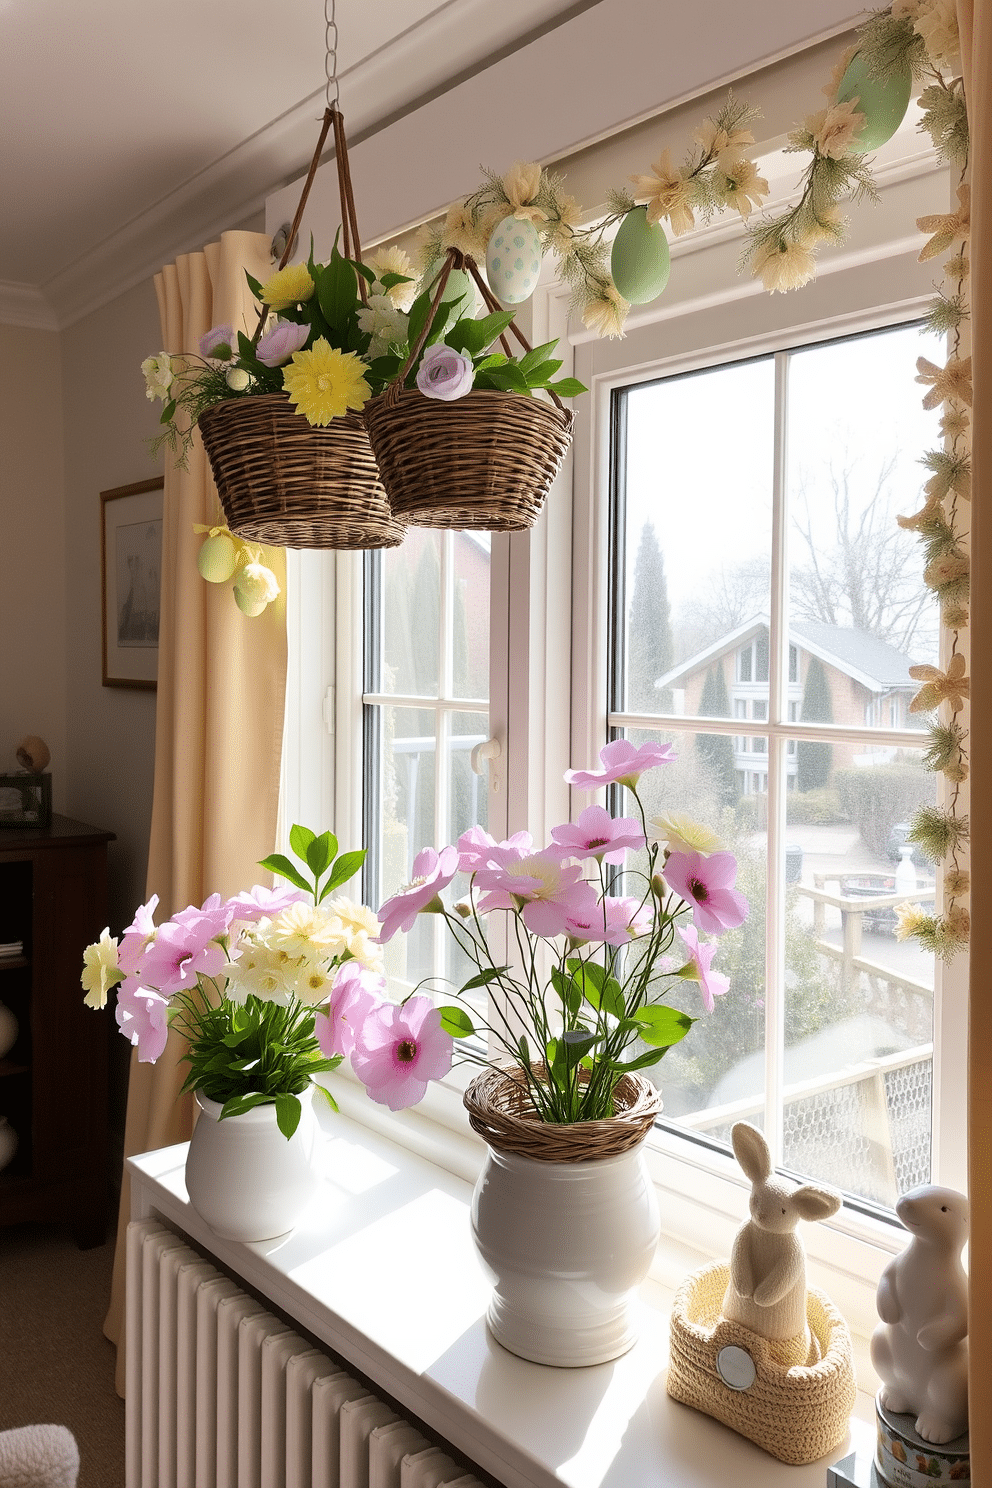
(133, 131)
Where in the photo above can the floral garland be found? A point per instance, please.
(913, 42)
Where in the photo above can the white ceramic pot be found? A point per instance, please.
(566, 1246)
(8, 1030)
(242, 1175)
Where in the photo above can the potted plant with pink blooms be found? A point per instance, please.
(268, 989)
(564, 1213)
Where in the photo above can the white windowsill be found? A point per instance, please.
(382, 1269)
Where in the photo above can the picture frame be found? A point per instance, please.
(131, 570)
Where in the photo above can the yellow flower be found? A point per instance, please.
(840, 67)
(951, 686)
(290, 286)
(937, 23)
(304, 930)
(955, 617)
(828, 227)
(738, 184)
(459, 231)
(569, 216)
(946, 226)
(606, 312)
(927, 515)
(325, 383)
(950, 383)
(783, 265)
(717, 142)
(358, 926)
(682, 834)
(521, 184)
(394, 260)
(958, 266)
(957, 881)
(954, 422)
(666, 193)
(834, 129)
(100, 970)
(909, 919)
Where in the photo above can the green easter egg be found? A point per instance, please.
(248, 604)
(461, 287)
(217, 558)
(640, 262)
(883, 101)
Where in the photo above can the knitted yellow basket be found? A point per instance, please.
(796, 1412)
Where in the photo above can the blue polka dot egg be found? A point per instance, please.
(513, 260)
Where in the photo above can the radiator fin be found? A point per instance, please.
(222, 1394)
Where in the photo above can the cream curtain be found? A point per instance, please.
(221, 692)
(976, 47)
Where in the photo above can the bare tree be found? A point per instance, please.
(869, 576)
(732, 596)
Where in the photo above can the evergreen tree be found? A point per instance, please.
(649, 632)
(815, 758)
(718, 749)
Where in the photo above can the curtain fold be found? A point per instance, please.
(219, 713)
(975, 22)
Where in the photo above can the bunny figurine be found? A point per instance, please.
(920, 1347)
(767, 1290)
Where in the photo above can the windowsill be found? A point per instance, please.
(382, 1269)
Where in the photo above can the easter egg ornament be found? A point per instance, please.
(513, 260)
(883, 101)
(217, 558)
(640, 262)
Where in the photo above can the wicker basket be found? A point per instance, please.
(796, 1413)
(483, 462)
(500, 1110)
(282, 481)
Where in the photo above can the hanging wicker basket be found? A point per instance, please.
(282, 481)
(485, 462)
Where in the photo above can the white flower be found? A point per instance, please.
(606, 313)
(683, 834)
(159, 376)
(834, 129)
(383, 322)
(100, 970)
(782, 265)
(395, 260)
(358, 927)
(666, 192)
(738, 185)
(302, 929)
(237, 379)
(937, 22)
(260, 972)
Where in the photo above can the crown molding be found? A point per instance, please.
(24, 305)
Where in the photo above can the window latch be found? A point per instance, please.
(490, 750)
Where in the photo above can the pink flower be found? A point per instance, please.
(444, 373)
(598, 835)
(705, 882)
(398, 1049)
(137, 935)
(142, 1017)
(354, 994)
(611, 920)
(476, 848)
(185, 948)
(623, 762)
(218, 343)
(432, 872)
(279, 343)
(711, 983)
(260, 903)
(541, 887)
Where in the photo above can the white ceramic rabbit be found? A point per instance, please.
(767, 1291)
(920, 1348)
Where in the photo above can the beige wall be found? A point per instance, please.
(32, 552)
(110, 731)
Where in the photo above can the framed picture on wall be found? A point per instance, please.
(131, 565)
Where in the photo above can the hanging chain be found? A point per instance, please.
(331, 53)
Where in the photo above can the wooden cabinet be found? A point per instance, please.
(53, 1082)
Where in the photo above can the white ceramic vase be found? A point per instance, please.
(243, 1176)
(566, 1245)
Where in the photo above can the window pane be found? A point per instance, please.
(406, 792)
(860, 614)
(859, 1003)
(411, 608)
(468, 795)
(470, 618)
(694, 565)
(721, 1061)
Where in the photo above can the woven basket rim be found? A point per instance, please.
(565, 417)
(498, 1109)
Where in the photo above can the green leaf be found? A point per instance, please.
(568, 990)
(337, 291)
(327, 1096)
(456, 1021)
(254, 285)
(300, 839)
(388, 281)
(483, 978)
(576, 1043)
(541, 375)
(663, 1026)
(493, 326)
(239, 1104)
(320, 853)
(568, 387)
(277, 863)
(367, 274)
(288, 1113)
(494, 359)
(168, 411)
(508, 379)
(643, 1061)
(419, 311)
(346, 867)
(468, 336)
(536, 356)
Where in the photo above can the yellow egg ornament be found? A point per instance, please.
(513, 260)
(217, 558)
(640, 262)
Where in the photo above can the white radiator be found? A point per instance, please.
(221, 1394)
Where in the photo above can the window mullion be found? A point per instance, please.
(778, 632)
